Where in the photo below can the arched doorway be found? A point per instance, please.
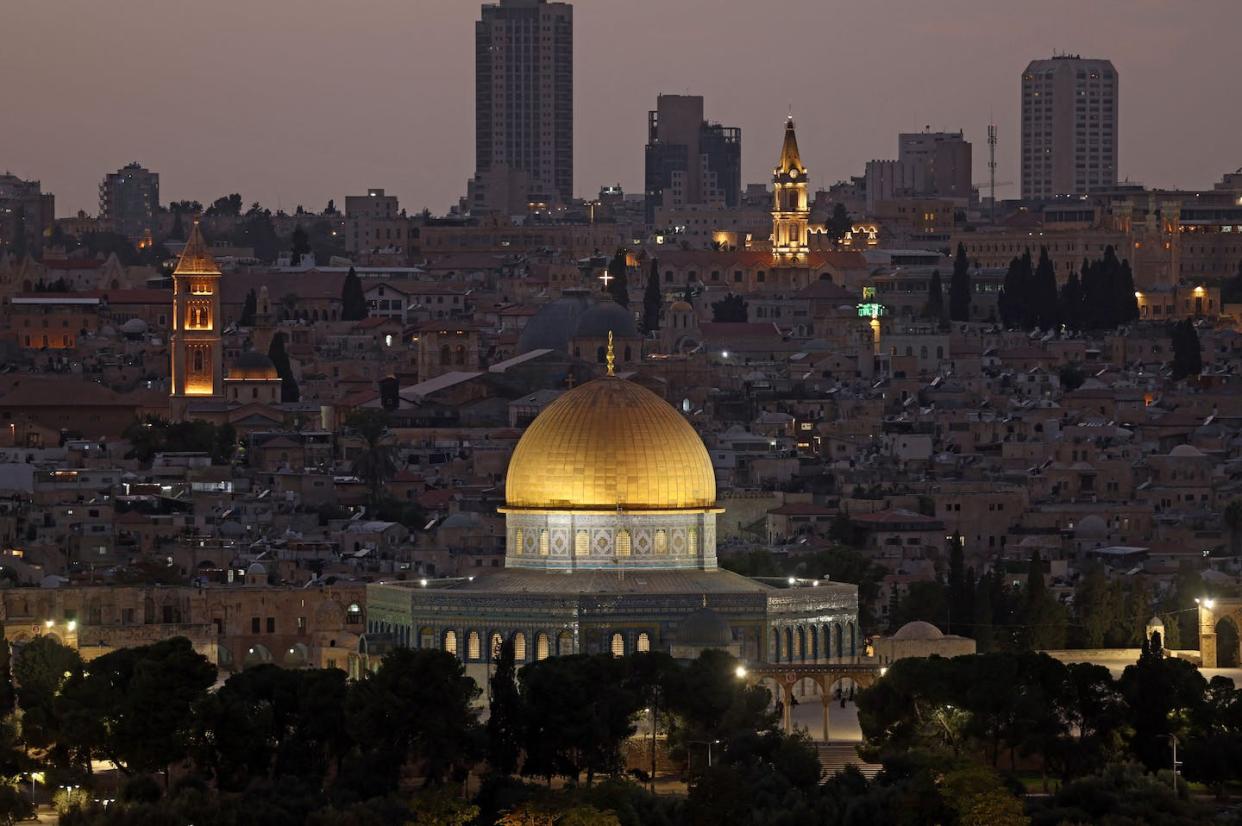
(1227, 653)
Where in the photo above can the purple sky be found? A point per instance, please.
(297, 101)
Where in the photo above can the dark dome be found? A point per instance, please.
(553, 325)
(252, 364)
(704, 629)
(604, 317)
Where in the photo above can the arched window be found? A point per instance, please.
(628, 354)
(543, 543)
(801, 655)
(198, 360)
(450, 642)
(814, 652)
(623, 542)
(541, 647)
(644, 643)
(461, 354)
(564, 644)
(791, 653)
(518, 546)
(494, 648)
(661, 541)
(445, 356)
(776, 645)
(692, 541)
(617, 645)
(519, 647)
(582, 543)
(473, 646)
(599, 355)
(826, 635)
(426, 637)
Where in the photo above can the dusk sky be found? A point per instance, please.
(297, 102)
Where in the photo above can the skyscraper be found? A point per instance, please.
(688, 160)
(1069, 126)
(129, 199)
(524, 114)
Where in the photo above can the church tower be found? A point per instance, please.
(790, 208)
(197, 356)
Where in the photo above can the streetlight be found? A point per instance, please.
(740, 672)
(709, 744)
(1173, 738)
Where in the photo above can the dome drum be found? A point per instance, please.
(581, 541)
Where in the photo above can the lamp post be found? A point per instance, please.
(1173, 739)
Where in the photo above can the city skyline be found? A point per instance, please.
(317, 130)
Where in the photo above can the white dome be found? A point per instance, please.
(256, 569)
(1186, 452)
(1091, 526)
(134, 327)
(918, 630)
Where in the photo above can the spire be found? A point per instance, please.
(195, 259)
(611, 357)
(790, 158)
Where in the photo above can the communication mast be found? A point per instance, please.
(992, 166)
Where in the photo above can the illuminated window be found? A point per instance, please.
(618, 645)
(497, 641)
(543, 543)
(473, 646)
(644, 643)
(198, 361)
(450, 642)
(541, 647)
(564, 644)
(661, 541)
(582, 543)
(623, 542)
(519, 646)
(518, 547)
(692, 541)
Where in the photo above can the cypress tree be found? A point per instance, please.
(652, 300)
(353, 302)
(1071, 302)
(289, 391)
(619, 284)
(1187, 356)
(1044, 303)
(249, 308)
(959, 287)
(300, 246)
(935, 298)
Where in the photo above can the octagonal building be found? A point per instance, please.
(610, 512)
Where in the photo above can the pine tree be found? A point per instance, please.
(983, 614)
(353, 302)
(730, 308)
(619, 284)
(653, 301)
(959, 287)
(7, 695)
(178, 230)
(839, 223)
(1127, 301)
(249, 308)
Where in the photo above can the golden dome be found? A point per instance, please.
(606, 444)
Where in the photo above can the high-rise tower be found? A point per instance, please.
(1069, 126)
(197, 357)
(790, 208)
(524, 104)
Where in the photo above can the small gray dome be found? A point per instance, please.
(605, 317)
(1091, 526)
(553, 325)
(256, 569)
(918, 630)
(704, 629)
(134, 327)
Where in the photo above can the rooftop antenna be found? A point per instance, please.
(992, 164)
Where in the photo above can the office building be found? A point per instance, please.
(524, 114)
(25, 209)
(1069, 126)
(129, 199)
(688, 160)
(940, 162)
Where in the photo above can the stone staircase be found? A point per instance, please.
(834, 757)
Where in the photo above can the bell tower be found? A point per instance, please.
(197, 356)
(790, 208)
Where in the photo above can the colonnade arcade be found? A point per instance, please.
(812, 642)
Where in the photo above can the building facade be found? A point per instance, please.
(129, 200)
(26, 210)
(524, 115)
(1069, 126)
(689, 161)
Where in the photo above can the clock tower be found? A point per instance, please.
(790, 208)
(197, 358)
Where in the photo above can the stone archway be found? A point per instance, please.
(1212, 611)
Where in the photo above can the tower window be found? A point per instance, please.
(661, 541)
